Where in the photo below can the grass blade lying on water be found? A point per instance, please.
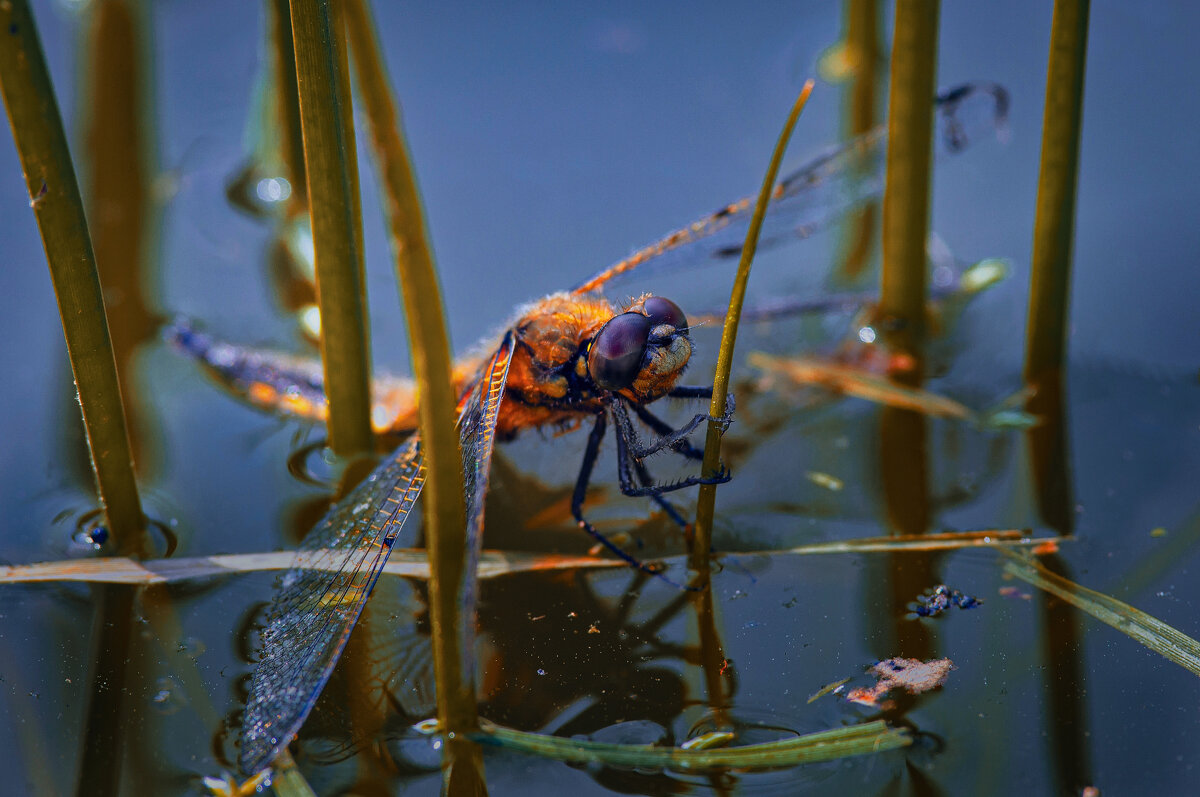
(492, 564)
(1150, 631)
(870, 737)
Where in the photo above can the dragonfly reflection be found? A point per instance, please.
(564, 360)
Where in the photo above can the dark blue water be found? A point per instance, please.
(550, 141)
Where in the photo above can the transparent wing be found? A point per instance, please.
(479, 411)
(319, 601)
(321, 598)
(285, 384)
(813, 196)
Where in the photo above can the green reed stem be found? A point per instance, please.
(706, 503)
(445, 508)
(54, 194)
(909, 153)
(1054, 225)
(334, 204)
(287, 101)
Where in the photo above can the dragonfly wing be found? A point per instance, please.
(479, 411)
(816, 194)
(281, 383)
(319, 601)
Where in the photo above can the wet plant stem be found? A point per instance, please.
(906, 188)
(1054, 224)
(331, 165)
(431, 356)
(55, 198)
(706, 503)
(287, 101)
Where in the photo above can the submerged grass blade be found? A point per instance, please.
(801, 370)
(331, 166)
(906, 190)
(1054, 223)
(54, 195)
(286, 779)
(106, 728)
(706, 503)
(1150, 631)
(870, 737)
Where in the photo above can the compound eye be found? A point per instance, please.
(665, 311)
(615, 356)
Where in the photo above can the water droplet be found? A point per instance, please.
(867, 334)
(273, 189)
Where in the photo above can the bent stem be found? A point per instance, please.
(706, 503)
(54, 195)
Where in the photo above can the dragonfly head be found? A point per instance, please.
(641, 353)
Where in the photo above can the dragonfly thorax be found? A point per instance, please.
(574, 353)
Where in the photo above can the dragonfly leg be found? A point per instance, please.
(581, 483)
(690, 392)
(635, 479)
(661, 427)
(674, 439)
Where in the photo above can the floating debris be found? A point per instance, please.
(831, 688)
(941, 599)
(831, 483)
(1015, 592)
(912, 675)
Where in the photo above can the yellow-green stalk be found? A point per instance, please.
(331, 166)
(54, 195)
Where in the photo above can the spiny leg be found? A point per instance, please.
(590, 455)
(630, 454)
(662, 428)
(674, 439)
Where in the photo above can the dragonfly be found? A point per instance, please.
(564, 360)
